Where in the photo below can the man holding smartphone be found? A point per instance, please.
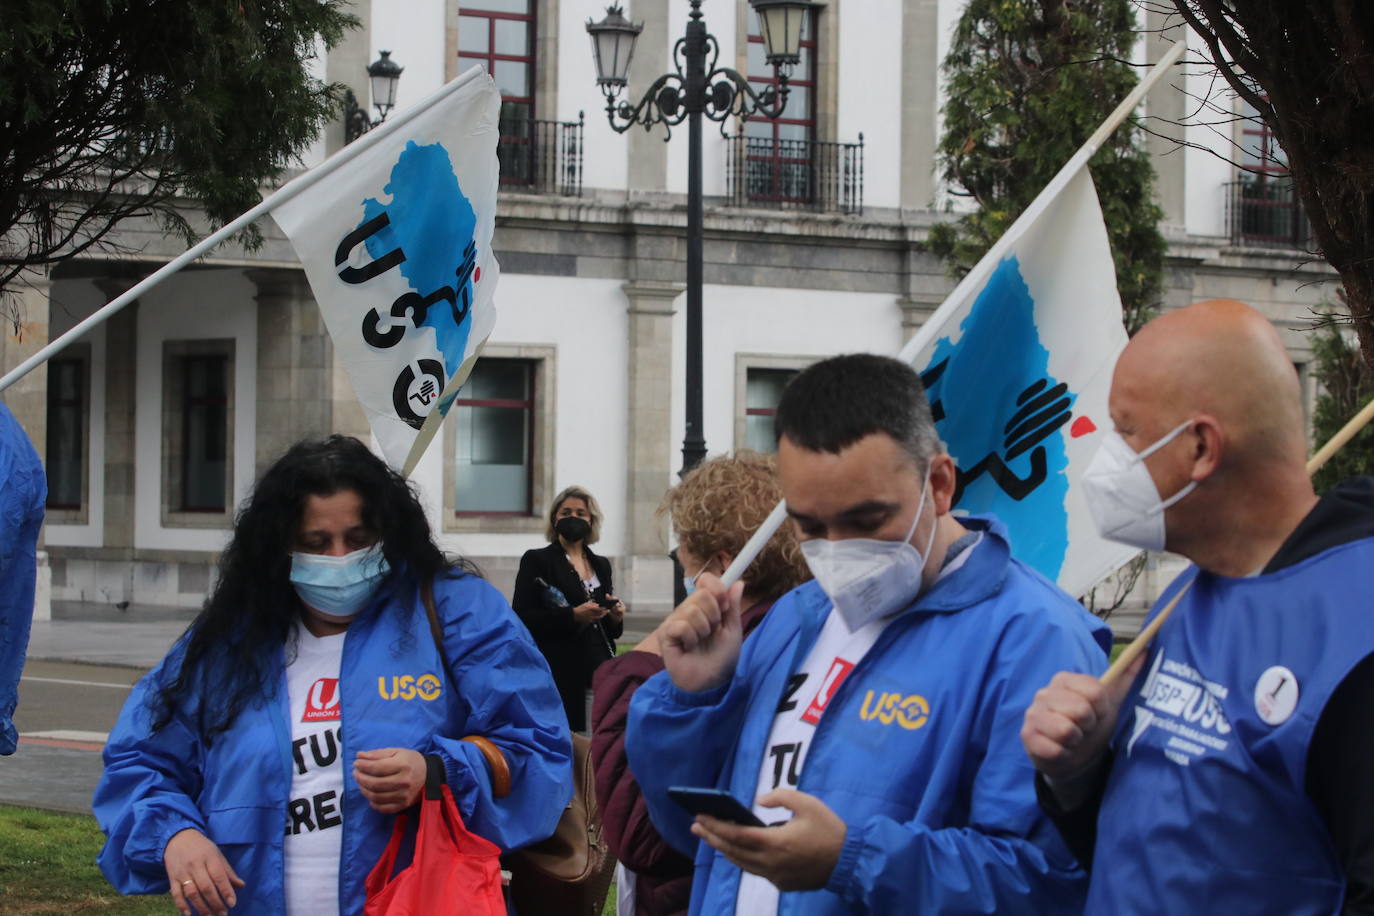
(872, 721)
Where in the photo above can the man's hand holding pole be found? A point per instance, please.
(1069, 725)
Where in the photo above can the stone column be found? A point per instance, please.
(347, 63)
(648, 162)
(121, 397)
(925, 283)
(25, 318)
(646, 570)
(1165, 107)
(295, 365)
(920, 79)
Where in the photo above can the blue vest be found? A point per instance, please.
(1206, 809)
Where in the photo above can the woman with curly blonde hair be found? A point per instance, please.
(714, 510)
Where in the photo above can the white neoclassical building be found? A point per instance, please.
(155, 424)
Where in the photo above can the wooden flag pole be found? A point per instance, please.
(1323, 455)
(1142, 642)
(1348, 432)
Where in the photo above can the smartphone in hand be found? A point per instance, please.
(716, 802)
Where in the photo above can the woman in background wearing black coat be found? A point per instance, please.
(564, 594)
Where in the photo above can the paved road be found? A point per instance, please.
(65, 711)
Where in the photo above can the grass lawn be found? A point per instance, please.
(47, 867)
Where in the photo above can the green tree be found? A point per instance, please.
(1028, 81)
(1347, 384)
(113, 109)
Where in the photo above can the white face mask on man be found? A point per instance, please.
(1121, 494)
(865, 578)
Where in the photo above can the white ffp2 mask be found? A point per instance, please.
(1121, 494)
(866, 578)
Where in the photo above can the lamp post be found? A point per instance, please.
(697, 87)
(383, 75)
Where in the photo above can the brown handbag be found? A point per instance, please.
(569, 873)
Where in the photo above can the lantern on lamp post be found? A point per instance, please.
(383, 76)
(697, 87)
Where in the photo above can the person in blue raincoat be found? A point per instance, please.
(259, 767)
(23, 491)
(872, 720)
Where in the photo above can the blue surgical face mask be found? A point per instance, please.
(689, 583)
(339, 586)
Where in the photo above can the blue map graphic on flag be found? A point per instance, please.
(1000, 413)
(433, 223)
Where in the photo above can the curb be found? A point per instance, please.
(90, 662)
(55, 808)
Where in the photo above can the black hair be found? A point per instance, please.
(229, 647)
(834, 403)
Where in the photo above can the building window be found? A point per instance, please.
(779, 152)
(494, 439)
(198, 432)
(762, 391)
(498, 35)
(205, 433)
(1264, 207)
(1261, 154)
(68, 424)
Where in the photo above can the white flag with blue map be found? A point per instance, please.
(1018, 376)
(396, 245)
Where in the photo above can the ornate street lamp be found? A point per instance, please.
(697, 87)
(781, 23)
(613, 41)
(383, 75)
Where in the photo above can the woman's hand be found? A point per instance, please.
(391, 779)
(588, 612)
(617, 610)
(199, 875)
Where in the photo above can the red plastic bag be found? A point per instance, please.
(453, 871)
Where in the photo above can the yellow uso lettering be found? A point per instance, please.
(909, 711)
(428, 687)
(407, 687)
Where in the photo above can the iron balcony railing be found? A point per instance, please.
(1266, 214)
(541, 157)
(796, 174)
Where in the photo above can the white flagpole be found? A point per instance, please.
(282, 195)
(979, 274)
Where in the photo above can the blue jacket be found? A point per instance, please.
(1206, 808)
(23, 491)
(919, 750)
(393, 694)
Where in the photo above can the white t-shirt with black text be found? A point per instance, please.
(836, 652)
(314, 817)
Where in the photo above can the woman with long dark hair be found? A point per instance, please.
(291, 722)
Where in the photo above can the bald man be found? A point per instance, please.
(1231, 770)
